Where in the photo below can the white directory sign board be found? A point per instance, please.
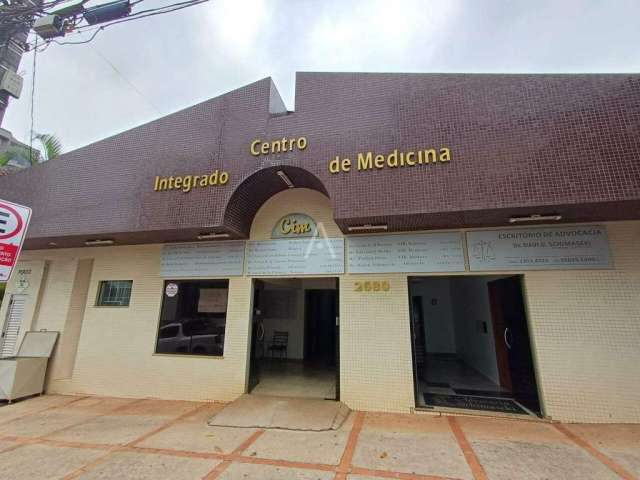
(410, 253)
(212, 259)
(14, 220)
(575, 247)
(306, 256)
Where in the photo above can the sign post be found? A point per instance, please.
(14, 220)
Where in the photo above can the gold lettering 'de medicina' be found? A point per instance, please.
(395, 159)
(188, 182)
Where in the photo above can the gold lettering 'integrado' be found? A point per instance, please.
(258, 147)
(188, 182)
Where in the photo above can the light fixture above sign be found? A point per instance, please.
(536, 218)
(285, 178)
(367, 227)
(98, 242)
(212, 236)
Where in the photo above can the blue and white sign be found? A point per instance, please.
(412, 253)
(315, 255)
(211, 259)
(560, 248)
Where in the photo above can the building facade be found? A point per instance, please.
(417, 242)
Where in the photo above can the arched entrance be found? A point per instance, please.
(294, 341)
(259, 187)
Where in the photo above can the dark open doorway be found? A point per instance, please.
(471, 344)
(294, 342)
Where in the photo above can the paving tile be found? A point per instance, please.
(98, 405)
(410, 444)
(309, 447)
(242, 471)
(504, 460)
(144, 466)
(620, 442)
(9, 412)
(111, 429)
(361, 477)
(510, 449)
(161, 408)
(37, 462)
(4, 444)
(43, 423)
(195, 435)
(479, 428)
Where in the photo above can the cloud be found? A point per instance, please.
(141, 70)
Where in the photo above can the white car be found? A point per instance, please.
(200, 340)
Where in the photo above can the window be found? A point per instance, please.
(193, 317)
(114, 293)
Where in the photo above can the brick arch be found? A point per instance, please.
(256, 189)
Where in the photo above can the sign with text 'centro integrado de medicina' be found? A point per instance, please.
(559, 248)
(14, 220)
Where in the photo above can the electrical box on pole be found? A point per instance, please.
(107, 12)
(50, 26)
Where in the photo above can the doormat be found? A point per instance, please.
(482, 393)
(438, 384)
(473, 403)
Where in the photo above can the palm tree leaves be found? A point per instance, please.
(24, 156)
(52, 146)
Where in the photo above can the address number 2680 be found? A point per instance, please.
(374, 286)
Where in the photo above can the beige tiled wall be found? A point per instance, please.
(585, 327)
(586, 333)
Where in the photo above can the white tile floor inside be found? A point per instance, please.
(295, 378)
(446, 374)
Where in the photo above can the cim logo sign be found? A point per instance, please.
(294, 225)
(14, 220)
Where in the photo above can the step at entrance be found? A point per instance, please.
(262, 411)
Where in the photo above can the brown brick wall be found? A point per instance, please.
(520, 144)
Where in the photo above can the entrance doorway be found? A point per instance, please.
(471, 344)
(294, 341)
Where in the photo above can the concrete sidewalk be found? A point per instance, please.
(61, 437)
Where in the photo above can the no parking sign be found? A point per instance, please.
(14, 220)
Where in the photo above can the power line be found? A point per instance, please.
(134, 16)
(129, 82)
(33, 92)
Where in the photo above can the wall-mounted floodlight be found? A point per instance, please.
(536, 218)
(366, 228)
(98, 242)
(212, 236)
(285, 178)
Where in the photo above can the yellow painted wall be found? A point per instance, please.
(585, 326)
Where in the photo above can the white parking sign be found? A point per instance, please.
(14, 220)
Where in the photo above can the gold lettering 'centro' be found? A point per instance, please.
(281, 145)
(395, 159)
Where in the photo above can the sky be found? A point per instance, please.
(141, 70)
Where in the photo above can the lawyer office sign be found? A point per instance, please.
(561, 248)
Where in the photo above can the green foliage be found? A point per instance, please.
(51, 147)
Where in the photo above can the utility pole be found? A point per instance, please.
(13, 41)
(61, 17)
(52, 19)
